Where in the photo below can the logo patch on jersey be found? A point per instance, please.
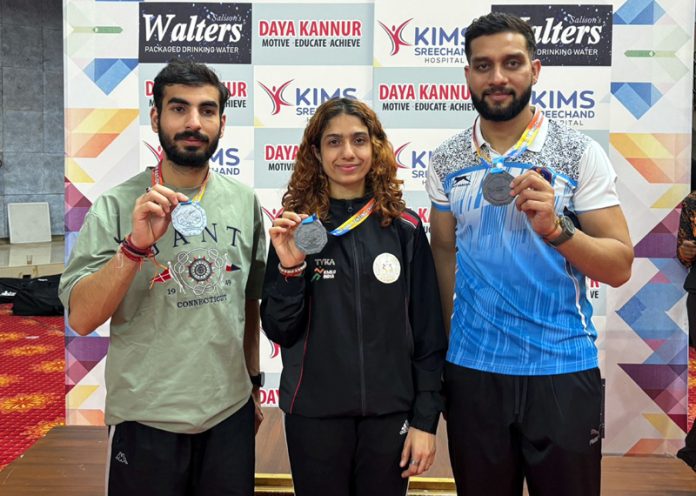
(386, 268)
(324, 269)
(462, 180)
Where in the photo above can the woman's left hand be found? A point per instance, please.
(418, 454)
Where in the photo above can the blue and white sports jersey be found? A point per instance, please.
(520, 308)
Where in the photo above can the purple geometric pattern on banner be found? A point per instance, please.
(646, 311)
(638, 98)
(639, 12)
(661, 241)
(87, 348)
(82, 354)
(107, 74)
(76, 207)
(663, 375)
(655, 380)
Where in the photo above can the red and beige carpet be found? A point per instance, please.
(32, 380)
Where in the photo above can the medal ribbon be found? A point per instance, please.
(350, 224)
(158, 178)
(520, 147)
(357, 219)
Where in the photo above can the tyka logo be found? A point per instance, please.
(276, 95)
(396, 36)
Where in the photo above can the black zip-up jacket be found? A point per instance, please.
(353, 345)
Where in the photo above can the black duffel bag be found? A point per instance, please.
(9, 287)
(38, 297)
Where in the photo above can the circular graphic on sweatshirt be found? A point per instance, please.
(386, 268)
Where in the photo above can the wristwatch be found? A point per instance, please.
(567, 231)
(258, 380)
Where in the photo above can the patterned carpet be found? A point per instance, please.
(32, 380)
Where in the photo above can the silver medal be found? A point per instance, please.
(189, 218)
(311, 237)
(496, 188)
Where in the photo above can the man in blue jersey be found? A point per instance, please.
(524, 210)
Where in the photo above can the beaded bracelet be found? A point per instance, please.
(133, 253)
(295, 271)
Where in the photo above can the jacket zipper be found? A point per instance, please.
(304, 355)
(358, 311)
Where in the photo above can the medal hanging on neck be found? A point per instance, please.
(188, 218)
(496, 184)
(310, 236)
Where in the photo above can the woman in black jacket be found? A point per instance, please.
(350, 295)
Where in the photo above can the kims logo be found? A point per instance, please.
(276, 95)
(396, 35)
(157, 152)
(306, 99)
(416, 161)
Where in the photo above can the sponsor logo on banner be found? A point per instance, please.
(303, 100)
(412, 161)
(570, 107)
(310, 33)
(429, 43)
(269, 397)
(288, 96)
(275, 152)
(302, 34)
(156, 152)
(238, 90)
(413, 150)
(226, 161)
(208, 32)
(568, 34)
(234, 155)
(422, 98)
(271, 205)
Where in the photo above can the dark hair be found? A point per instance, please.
(499, 22)
(308, 189)
(188, 73)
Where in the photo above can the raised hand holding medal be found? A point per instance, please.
(496, 186)
(282, 235)
(152, 214)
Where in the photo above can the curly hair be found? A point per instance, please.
(308, 189)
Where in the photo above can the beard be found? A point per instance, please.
(497, 113)
(188, 156)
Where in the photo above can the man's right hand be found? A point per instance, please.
(283, 238)
(687, 249)
(152, 215)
